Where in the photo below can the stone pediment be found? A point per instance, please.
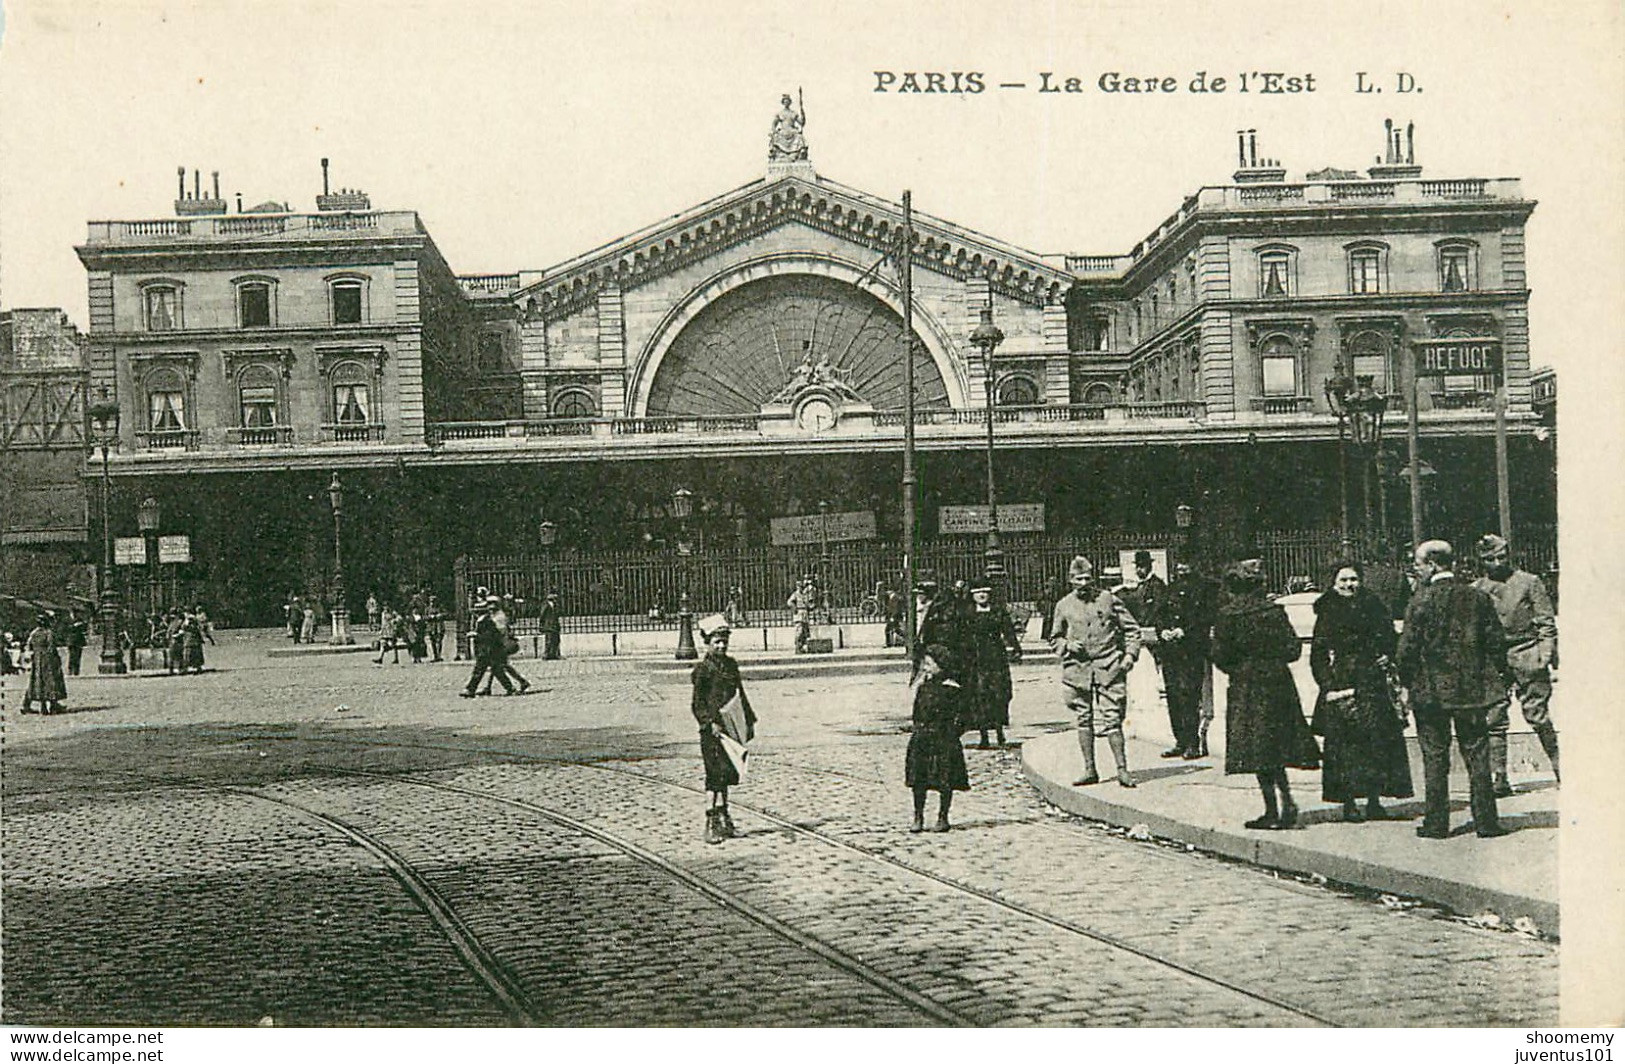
(865, 221)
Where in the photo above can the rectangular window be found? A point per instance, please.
(347, 303)
(259, 407)
(1274, 280)
(166, 411)
(162, 313)
(350, 404)
(1280, 376)
(254, 304)
(1364, 267)
(1453, 270)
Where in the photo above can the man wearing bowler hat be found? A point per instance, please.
(1098, 641)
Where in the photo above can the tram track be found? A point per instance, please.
(505, 985)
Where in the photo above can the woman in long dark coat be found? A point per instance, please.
(990, 644)
(934, 761)
(716, 682)
(1264, 729)
(1365, 735)
(46, 684)
(191, 644)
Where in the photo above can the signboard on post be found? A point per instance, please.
(972, 520)
(174, 550)
(1476, 356)
(129, 550)
(815, 529)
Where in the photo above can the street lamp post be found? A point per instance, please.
(341, 607)
(985, 338)
(1183, 516)
(148, 518)
(1366, 409)
(682, 505)
(1339, 390)
(104, 413)
(823, 561)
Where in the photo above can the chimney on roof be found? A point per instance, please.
(197, 203)
(1399, 153)
(345, 199)
(1255, 171)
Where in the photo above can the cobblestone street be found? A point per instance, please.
(325, 841)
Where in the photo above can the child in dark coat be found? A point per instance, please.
(935, 761)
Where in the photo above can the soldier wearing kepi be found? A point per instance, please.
(1530, 622)
(1098, 641)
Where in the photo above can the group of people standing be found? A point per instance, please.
(420, 629)
(180, 634)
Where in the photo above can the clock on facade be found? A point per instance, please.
(815, 415)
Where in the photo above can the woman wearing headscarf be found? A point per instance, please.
(1264, 729)
(716, 684)
(934, 761)
(1364, 732)
(990, 643)
(46, 684)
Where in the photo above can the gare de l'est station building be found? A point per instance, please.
(749, 349)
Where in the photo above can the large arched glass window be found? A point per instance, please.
(574, 403)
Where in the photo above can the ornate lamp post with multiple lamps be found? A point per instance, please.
(985, 338)
(682, 505)
(341, 604)
(104, 416)
(1366, 409)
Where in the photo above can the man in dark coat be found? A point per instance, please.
(75, 638)
(490, 651)
(1452, 657)
(1184, 637)
(935, 621)
(549, 621)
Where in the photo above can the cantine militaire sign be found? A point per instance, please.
(1013, 517)
(1475, 356)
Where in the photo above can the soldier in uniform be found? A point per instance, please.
(1530, 622)
(1098, 641)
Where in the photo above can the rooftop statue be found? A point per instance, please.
(787, 143)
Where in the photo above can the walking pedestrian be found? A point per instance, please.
(1098, 641)
(434, 622)
(1364, 730)
(1530, 623)
(550, 623)
(391, 634)
(991, 646)
(46, 684)
(1184, 638)
(205, 625)
(293, 612)
(502, 667)
(77, 635)
(934, 760)
(1452, 657)
(191, 635)
(720, 706)
(175, 641)
(488, 651)
(307, 627)
(1265, 733)
(372, 610)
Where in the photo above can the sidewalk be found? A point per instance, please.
(1194, 802)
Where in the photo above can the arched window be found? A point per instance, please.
(347, 300)
(166, 401)
(257, 398)
(574, 403)
(1278, 361)
(1098, 394)
(1458, 265)
(1277, 271)
(256, 302)
(1368, 268)
(1017, 391)
(161, 306)
(352, 395)
(1369, 354)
